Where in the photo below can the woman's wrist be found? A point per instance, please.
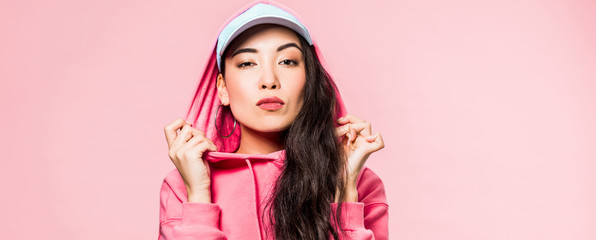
(201, 195)
(350, 194)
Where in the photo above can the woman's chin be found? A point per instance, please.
(272, 129)
(265, 127)
(271, 124)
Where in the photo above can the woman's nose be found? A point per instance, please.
(269, 85)
(269, 79)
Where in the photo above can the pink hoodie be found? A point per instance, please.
(240, 183)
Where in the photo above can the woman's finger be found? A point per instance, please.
(183, 136)
(196, 140)
(342, 130)
(200, 136)
(378, 140)
(198, 149)
(352, 137)
(171, 130)
(363, 128)
(196, 132)
(349, 118)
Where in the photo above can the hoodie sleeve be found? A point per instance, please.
(367, 218)
(180, 220)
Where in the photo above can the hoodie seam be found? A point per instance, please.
(169, 220)
(254, 187)
(180, 198)
(376, 203)
(166, 218)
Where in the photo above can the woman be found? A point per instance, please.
(264, 154)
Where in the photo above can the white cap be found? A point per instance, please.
(260, 13)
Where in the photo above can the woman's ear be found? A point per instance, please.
(222, 90)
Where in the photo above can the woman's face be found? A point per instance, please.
(265, 61)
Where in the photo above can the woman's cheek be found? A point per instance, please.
(240, 102)
(299, 93)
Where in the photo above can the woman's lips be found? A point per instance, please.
(270, 106)
(270, 103)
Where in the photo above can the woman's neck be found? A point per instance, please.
(254, 142)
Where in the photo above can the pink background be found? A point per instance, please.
(487, 109)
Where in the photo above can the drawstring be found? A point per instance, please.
(252, 177)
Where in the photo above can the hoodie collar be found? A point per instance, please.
(277, 156)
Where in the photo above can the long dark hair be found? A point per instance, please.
(300, 207)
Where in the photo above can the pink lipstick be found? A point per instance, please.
(270, 103)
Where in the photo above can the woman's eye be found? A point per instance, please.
(289, 62)
(245, 64)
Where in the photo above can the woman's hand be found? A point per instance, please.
(359, 143)
(186, 151)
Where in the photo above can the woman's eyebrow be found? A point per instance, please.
(287, 45)
(242, 50)
(252, 50)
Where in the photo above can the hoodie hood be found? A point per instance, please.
(205, 103)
